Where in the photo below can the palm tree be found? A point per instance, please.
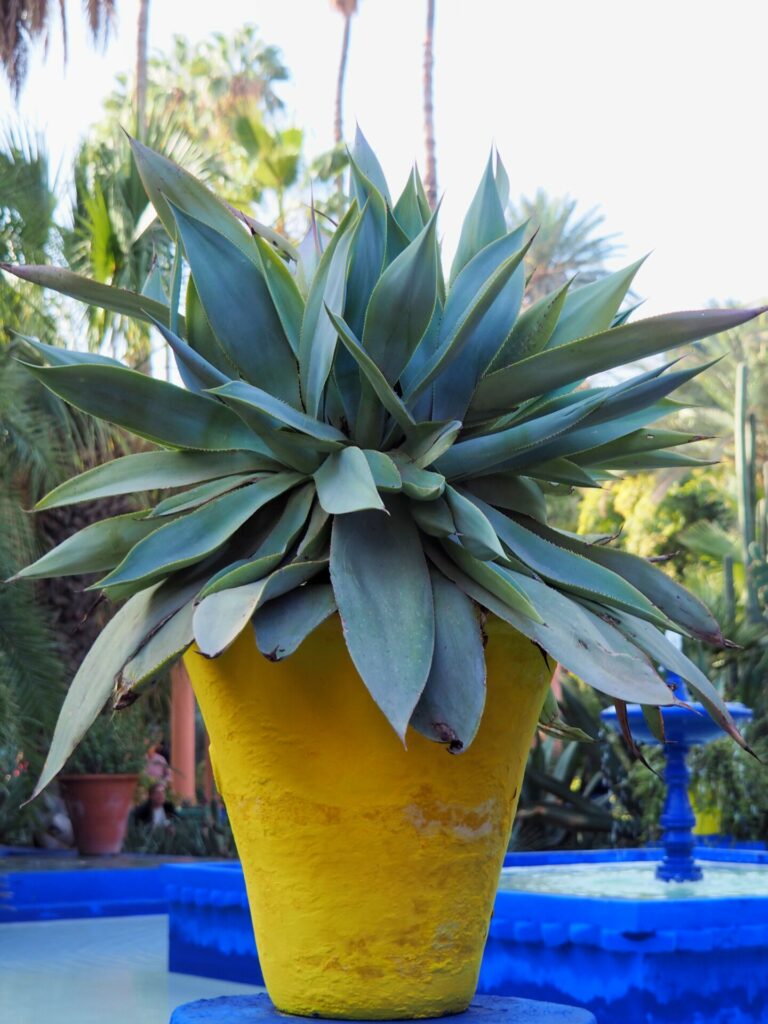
(141, 70)
(346, 8)
(430, 177)
(566, 244)
(24, 22)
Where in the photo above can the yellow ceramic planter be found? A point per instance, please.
(371, 869)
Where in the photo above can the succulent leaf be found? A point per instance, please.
(282, 625)
(451, 706)
(345, 483)
(384, 595)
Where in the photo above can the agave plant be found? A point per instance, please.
(359, 434)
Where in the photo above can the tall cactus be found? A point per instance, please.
(752, 513)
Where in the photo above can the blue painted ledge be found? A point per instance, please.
(484, 1010)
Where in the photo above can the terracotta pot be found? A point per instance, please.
(98, 807)
(371, 868)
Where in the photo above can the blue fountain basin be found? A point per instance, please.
(689, 725)
(666, 955)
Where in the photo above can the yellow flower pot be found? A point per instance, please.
(371, 868)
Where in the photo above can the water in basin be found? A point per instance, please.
(636, 881)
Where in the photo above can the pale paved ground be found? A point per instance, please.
(101, 971)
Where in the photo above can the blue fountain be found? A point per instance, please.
(683, 728)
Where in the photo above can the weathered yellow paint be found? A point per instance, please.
(371, 869)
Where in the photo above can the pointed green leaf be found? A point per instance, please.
(451, 706)
(97, 547)
(195, 371)
(345, 483)
(384, 596)
(317, 344)
(474, 530)
(456, 341)
(238, 393)
(222, 616)
(193, 497)
(367, 162)
(162, 648)
(379, 385)
(408, 211)
(164, 180)
(657, 646)
(366, 260)
(454, 387)
(271, 550)
(568, 569)
(433, 517)
(494, 578)
(194, 536)
(532, 330)
(95, 679)
(574, 361)
(672, 599)
(583, 644)
(592, 307)
(385, 473)
(401, 305)
(282, 625)
(286, 297)
(479, 454)
(420, 484)
(149, 471)
(151, 408)
(511, 491)
(483, 223)
(317, 536)
(54, 355)
(239, 307)
(116, 300)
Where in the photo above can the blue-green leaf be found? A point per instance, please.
(483, 223)
(475, 531)
(222, 616)
(532, 330)
(97, 547)
(345, 483)
(433, 517)
(195, 371)
(148, 407)
(592, 307)
(454, 387)
(95, 679)
(286, 297)
(385, 473)
(510, 491)
(165, 180)
(419, 484)
(479, 454)
(451, 706)
(367, 162)
(581, 642)
(192, 537)
(150, 471)
(282, 625)
(238, 304)
(402, 303)
(384, 596)
(317, 344)
(105, 296)
(238, 393)
(584, 357)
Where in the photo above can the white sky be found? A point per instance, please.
(656, 111)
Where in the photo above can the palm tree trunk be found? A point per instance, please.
(430, 178)
(141, 70)
(338, 122)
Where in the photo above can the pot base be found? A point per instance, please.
(259, 1009)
